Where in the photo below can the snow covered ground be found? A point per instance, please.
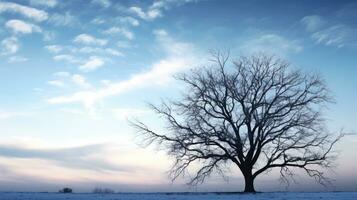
(183, 196)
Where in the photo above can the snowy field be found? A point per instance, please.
(183, 196)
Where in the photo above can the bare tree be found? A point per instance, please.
(256, 113)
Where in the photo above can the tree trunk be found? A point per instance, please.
(249, 183)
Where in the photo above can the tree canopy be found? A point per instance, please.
(255, 112)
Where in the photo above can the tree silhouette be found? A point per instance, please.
(256, 113)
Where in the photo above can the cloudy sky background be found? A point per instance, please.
(72, 72)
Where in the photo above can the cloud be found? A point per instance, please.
(271, 43)
(19, 26)
(16, 59)
(54, 48)
(92, 64)
(56, 83)
(66, 19)
(32, 13)
(155, 10)
(89, 40)
(103, 3)
(129, 20)
(120, 30)
(313, 22)
(64, 78)
(48, 35)
(124, 44)
(67, 58)
(62, 74)
(329, 34)
(80, 81)
(8, 115)
(45, 3)
(151, 14)
(337, 35)
(9, 46)
(80, 157)
(180, 56)
(98, 20)
(97, 50)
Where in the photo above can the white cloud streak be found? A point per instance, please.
(92, 64)
(66, 19)
(102, 3)
(56, 83)
(120, 30)
(328, 34)
(97, 50)
(45, 3)
(16, 59)
(89, 40)
(64, 78)
(80, 81)
(313, 22)
(54, 48)
(151, 14)
(129, 20)
(66, 57)
(29, 12)
(156, 9)
(9, 46)
(19, 26)
(272, 43)
(8, 115)
(180, 56)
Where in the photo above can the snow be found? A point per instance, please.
(178, 196)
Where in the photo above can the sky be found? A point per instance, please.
(73, 72)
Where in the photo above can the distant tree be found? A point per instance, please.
(66, 190)
(98, 190)
(257, 113)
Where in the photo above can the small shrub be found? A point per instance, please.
(66, 190)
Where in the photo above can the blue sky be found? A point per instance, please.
(72, 72)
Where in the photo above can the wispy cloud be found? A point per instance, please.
(151, 14)
(54, 48)
(337, 35)
(97, 50)
(29, 12)
(313, 22)
(19, 26)
(75, 157)
(56, 83)
(129, 20)
(92, 64)
(9, 114)
(102, 3)
(45, 3)
(180, 56)
(62, 74)
(155, 10)
(9, 46)
(98, 20)
(66, 57)
(271, 43)
(87, 39)
(16, 59)
(120, 30)
(66, 19)
(80, 81)
(66, 79)
(329, 34)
